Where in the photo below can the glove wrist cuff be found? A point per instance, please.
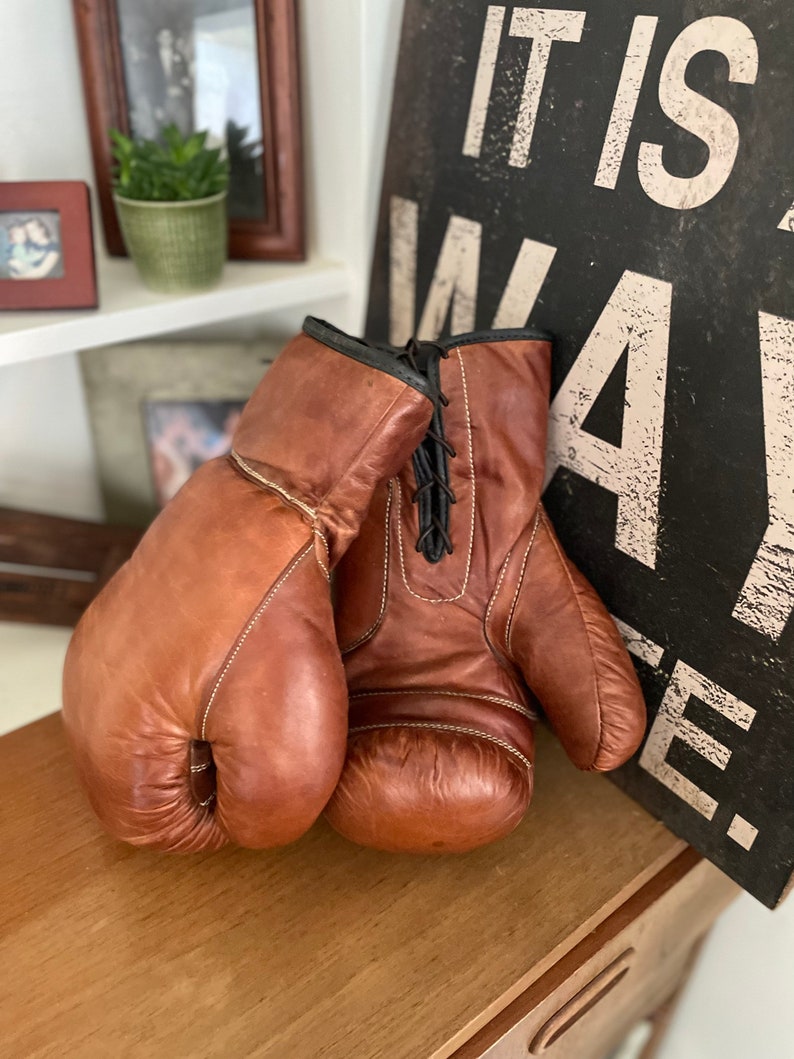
(328, 423)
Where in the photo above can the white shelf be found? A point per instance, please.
(30, 677)
(127, 310)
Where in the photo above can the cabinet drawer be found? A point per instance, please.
(628, 966)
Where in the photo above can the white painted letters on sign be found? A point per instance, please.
(454, 281)
(455, 278)
(670, 723)
(640, 646)
(698, 115)
(787, 222)
(403, 237)
(483, 81)
(544, 26)
(626, 99)
(767, 598)
(526, 278)
(637, 315)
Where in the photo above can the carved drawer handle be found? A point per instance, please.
(570, 1013)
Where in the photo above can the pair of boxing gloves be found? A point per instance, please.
(212, 695)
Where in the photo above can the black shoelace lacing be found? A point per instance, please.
(433, 493)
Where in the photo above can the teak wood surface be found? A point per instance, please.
(631, 967)
(321, 948)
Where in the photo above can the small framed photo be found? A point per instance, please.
(46, 246)
(181, 435)
(160, 409)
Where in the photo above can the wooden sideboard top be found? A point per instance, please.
(317, 949)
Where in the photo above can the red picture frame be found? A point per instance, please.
(281, 235)
(26, 210)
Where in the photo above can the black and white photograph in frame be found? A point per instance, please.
(195, 63)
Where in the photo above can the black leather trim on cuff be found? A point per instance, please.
(373, 356)
(504, 334)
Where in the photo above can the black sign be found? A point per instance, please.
(623, 175)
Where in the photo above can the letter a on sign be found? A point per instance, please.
(638, 316)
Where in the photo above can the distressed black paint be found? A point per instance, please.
(726, 261)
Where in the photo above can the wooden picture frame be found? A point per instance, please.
(119, 381)
(280, 234)
(46, 246)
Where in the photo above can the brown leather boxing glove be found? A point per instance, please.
(204, 695)
(458, 610)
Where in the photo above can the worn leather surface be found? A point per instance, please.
(447, 662)
(204, 695)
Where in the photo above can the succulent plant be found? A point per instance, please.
(178, 169)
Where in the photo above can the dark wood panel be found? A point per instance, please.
(51, 543)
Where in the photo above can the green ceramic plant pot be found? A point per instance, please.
(176, 246)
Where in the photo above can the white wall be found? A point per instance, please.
(741, 1002)
(46, 456)
(46, 462)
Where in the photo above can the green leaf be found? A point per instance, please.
(172, 168)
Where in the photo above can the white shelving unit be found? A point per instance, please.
(348, 49)
(128, 310)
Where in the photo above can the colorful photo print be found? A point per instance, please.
(30, 245)
(181, 435)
